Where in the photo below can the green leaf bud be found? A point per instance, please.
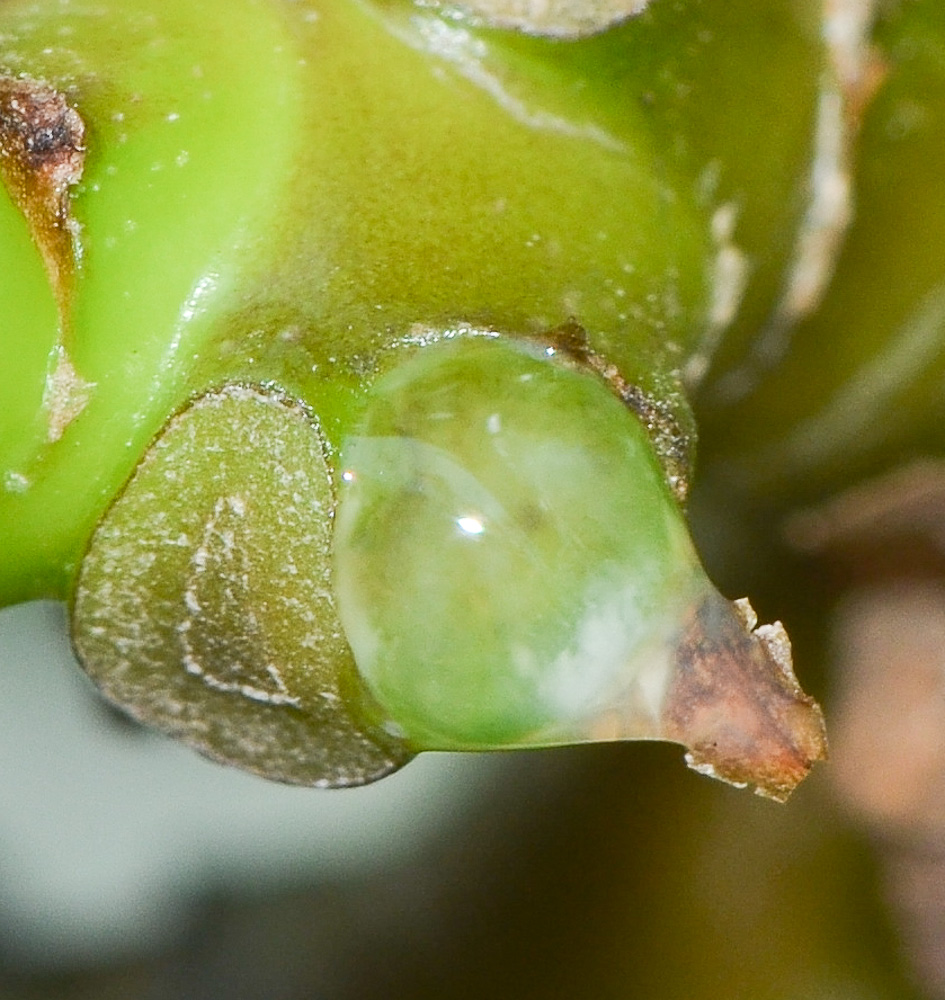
(512, 569)
(509, 558)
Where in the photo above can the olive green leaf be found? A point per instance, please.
(204, 605)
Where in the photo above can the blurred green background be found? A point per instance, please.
(132, 868)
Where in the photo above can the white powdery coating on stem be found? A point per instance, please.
(467, 53)
(728, 279)
(65, 395)
(563, 18)
(845, 87)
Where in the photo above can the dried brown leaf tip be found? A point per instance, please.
(736, 704)
(42, 154)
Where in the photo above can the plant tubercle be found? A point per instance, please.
(345, 366)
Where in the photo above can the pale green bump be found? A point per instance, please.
(508, 556)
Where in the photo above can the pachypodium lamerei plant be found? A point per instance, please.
(346, 358)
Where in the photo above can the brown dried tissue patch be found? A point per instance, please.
(736, 704)
(42, 154)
